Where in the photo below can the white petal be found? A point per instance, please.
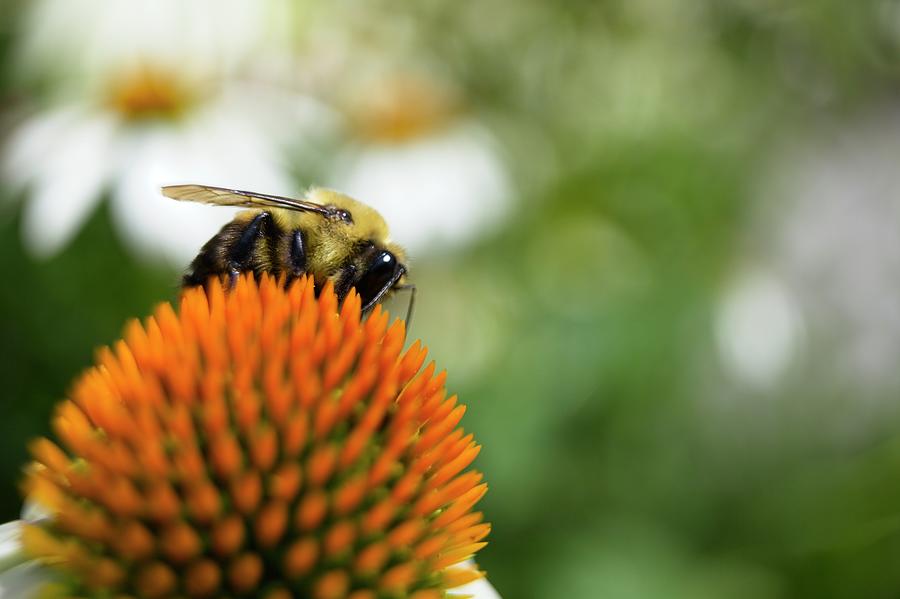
(478, 589)
(288, 118)
(24, 155)
(68, 186)
(443, 189)
(10, 543)
(20, 577)
(23, 581)
(201, 154)
(33, 511)
(98, 37)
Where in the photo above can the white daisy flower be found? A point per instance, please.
(434, 174)
(93, 38)
(833, 233)
(154, 96)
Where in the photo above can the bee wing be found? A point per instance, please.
(220, 196)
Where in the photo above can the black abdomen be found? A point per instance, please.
(240, 246)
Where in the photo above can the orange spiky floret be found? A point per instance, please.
(259, 442)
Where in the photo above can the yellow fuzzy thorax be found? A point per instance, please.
(330, 243)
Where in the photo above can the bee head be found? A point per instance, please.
(356, 245)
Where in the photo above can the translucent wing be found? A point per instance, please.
(220, 196)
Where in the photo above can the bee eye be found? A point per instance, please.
(335, 213)
(381, 274)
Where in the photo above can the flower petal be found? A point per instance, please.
(478, 589)
(205, 152)
(10, 544)
(19, 578)
(445, 188)
(25, 152)
(23, 581)
(68, 184)
(33, 511)
(98, 37)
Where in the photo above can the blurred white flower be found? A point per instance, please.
(434, 174)
(89, 39)
(757, 328)
(834, 234)
(144, 95)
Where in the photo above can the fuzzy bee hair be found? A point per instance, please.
(326, 234)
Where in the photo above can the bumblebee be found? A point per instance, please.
(326, 234)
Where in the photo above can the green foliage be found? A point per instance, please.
(55, 314)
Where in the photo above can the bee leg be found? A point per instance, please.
(240, 256)
(345, 281)
(297, 256)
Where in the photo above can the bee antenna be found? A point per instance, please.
(411, 304)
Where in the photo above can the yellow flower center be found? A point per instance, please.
(258, 443)
(398, 109)
(150, 92)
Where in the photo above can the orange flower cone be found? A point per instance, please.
(258, 443)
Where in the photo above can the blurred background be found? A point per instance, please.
(655, 244)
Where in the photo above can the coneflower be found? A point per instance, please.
(262, 442)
